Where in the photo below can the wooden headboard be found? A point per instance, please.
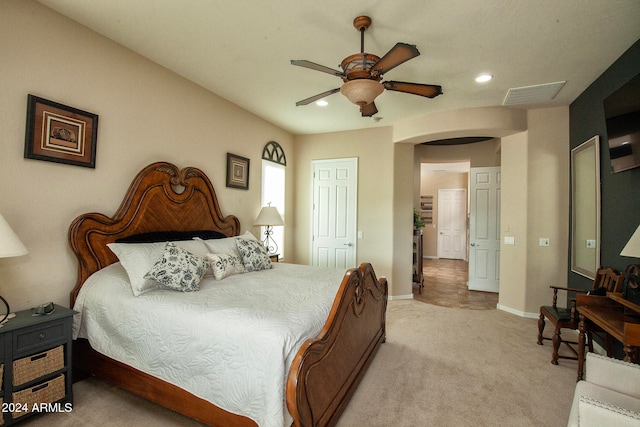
(160, 198)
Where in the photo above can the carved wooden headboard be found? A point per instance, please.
(160, 198)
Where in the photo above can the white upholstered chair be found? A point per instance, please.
(608, 396)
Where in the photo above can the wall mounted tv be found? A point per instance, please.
(622, 112)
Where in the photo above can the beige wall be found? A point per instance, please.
(487, 121)
(548, 204)
(513, 222)
(480, 154)
(146, 114)
(430, 184)
(533, 154)
(375, 153)
(402, 278)
(538, 161)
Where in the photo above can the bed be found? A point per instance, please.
(324, 370)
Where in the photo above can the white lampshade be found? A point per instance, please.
(362, 91)
(632, 248)
(269, 215)
(10, 244)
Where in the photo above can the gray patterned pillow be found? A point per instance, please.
(224, 265)
(178, 269)
(254, 255)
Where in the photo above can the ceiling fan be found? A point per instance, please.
(362, 72)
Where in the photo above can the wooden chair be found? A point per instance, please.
(606, 280)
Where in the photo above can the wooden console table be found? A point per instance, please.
(612, 314)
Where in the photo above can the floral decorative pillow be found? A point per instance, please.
(224, 265)
(178, 269)
(254, 255)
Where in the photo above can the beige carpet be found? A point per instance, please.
(439, 367)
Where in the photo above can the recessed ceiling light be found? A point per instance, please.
(483, 78)
(322, 103)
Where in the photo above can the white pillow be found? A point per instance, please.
(178, 269)
(224, 265)
(138, 258)
(228, 245)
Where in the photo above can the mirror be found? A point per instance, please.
(585, 202)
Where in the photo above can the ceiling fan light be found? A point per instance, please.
(362, 91)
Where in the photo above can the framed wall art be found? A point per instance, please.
(237, 172)
(59, 133)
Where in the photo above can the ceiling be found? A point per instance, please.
(241, 49)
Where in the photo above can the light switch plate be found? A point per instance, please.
(544, 241)
(509, 240)
(591, 244)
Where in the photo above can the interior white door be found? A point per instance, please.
(452, 223)
(333, 243)
(484, 229)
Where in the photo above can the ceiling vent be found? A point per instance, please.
(531, 94)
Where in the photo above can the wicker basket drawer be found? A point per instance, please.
(46, 392)
(32, 367)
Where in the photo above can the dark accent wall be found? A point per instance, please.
(620, 192)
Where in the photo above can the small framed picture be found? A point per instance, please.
(237, 172)
(59, 133)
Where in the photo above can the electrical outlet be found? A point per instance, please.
(544, 241)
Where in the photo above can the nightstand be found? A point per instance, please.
(36, 367)
(274, 257)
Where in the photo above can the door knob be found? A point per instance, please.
(348, 244)
(473, 244)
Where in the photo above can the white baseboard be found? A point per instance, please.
(518, 312)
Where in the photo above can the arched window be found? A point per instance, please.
(274, 153)
(274, 163)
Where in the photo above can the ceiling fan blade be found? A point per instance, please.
(368, 110)
(317, 67)
(398, 54)
(317, 97)
(430, 91)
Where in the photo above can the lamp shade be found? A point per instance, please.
(362, 91)
(632, 248)
(269, 215)
(10, 244)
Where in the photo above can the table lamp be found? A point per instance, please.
(10, 246)
(631, 291)
(268, 217)
(632, 248)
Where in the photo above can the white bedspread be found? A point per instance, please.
(231, 343)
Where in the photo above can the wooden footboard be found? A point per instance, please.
(327, 369)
